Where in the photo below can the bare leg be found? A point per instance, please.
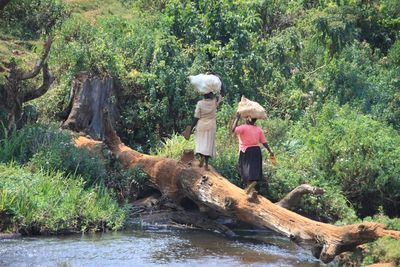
(206, 160)
(250, 186)
(201, 161)
(251, 192)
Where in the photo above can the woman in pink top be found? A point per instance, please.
(250, 158)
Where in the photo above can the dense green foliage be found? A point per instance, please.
(50, 156)
(290, 56)
(340, 148)
(327, 72)
(46, 148)
(49, 202)
(31, 18)
(384, 249)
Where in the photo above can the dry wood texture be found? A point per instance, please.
(177, 180)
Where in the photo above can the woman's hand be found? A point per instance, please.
(188, 131)
(235, 123)
(272, 158)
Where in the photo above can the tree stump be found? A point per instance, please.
(89, 95)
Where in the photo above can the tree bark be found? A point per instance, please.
(39, 63)
(177, 180)
(88, 97)
(12, 93)
(48, 79)
(292, 199)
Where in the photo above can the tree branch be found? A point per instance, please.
(292, 199)
(48, 79)
(39, 62)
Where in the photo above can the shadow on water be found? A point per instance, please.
(155, 248)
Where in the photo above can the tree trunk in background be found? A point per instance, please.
(13, 94)
(177, 180)
(88, 97)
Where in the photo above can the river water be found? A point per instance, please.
(155, 248)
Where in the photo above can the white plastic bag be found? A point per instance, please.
(251, 109)
(206, 83)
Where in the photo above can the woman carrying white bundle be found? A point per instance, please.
(205, 122)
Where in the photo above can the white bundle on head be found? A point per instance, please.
(206, 83)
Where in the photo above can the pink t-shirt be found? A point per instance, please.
(249, 135)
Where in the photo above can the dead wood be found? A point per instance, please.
(292, 199)
(177, 180)
(156, 210)
(88, 96)
(387, 264)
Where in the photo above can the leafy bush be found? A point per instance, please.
(45, 148)
(47, 202)
(385, 249)
(349, 152)
(226, 160)
(33, 17)
(48, 148)
(174, 147)
(128, 184)
(291, 57)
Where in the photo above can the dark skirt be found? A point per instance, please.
(250, 164)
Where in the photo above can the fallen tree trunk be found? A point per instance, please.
(177, 180)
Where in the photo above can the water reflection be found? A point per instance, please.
(155, 248)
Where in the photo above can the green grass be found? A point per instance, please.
(93, 10)
(174, 146)
(19, 50)
(49, 203)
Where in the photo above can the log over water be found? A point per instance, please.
(177, 180)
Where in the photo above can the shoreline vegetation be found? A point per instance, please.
(326, 71)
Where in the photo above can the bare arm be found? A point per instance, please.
(194, 123)
(235, 123)
(268, 148)
(219, 99)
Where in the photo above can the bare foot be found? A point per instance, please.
(250, 187)
(206, 168)
(252, 196)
